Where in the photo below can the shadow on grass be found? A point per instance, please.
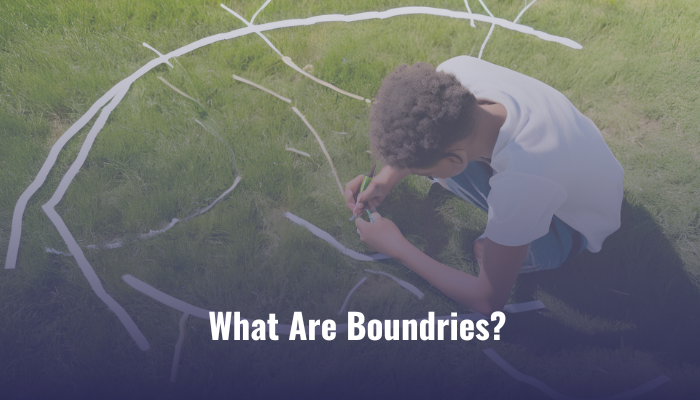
(634, 293)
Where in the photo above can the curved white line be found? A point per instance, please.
(73, 246)
(146, 45)
(15, 233)
(178, 349)
(471, 23)
(515, 21)
(347, 298)
(321, 234)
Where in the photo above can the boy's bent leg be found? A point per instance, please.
(559, 245)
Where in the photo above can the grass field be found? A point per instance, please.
(614, 319)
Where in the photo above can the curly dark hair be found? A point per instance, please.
(417, 114)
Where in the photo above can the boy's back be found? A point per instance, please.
(549, 159)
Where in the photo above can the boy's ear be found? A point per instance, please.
(456, 158)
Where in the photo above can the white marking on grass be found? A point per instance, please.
(471, 22)
(238, 78)
(218, 199)
(288, 60)
(293, 150)
(323, 235)
(73, 246)
(146, 45)
(20, 206)
(347, 298)
(179, 91)
(515, 21)
(401, 282)
(553, 394)
(116, 94)
(323, 147)
(483, 45)
(178, 348)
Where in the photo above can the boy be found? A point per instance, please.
(507, 143)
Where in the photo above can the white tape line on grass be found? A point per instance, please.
(323, 147)
(515, 21)
(347, 298)
(255, 85)
(469, 10)
(18, 213)
(218, 199)
(178, 348)
(323, 235)
(293, 150)
(152, 233)
(288, 60)
(553, 394)
(483, 45)
(198, 312)
(401, 282)
(157, 52)
(171, 86)
(73, 246)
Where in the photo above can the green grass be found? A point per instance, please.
(636, 77)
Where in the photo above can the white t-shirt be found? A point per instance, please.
(549, 159)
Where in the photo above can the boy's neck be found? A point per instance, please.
(490, 117)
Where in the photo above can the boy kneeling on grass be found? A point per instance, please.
(510, 145)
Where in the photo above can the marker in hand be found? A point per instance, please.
(365, 181)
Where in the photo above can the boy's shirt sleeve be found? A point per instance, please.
(521, 207)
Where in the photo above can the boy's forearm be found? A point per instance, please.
(457, 285)
(391, 176)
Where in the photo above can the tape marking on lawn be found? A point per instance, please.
(20, 206)
(178, 348)
(553, 394)
(288, 60)
(117, 93)
(323, 147)
(157, 52)
(323, 235)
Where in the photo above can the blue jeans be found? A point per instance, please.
(560, 244)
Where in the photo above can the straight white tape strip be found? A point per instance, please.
(323, 147)
(321, 234)
(178, 349)
(293, 150)
(347, 298)
(15, 234)
(157, 52)
(401, 282)
(179, 91)
(255, 85)
(553, 394)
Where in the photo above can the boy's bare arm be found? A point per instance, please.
(485, 294)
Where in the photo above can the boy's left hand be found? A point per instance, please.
(382, 235)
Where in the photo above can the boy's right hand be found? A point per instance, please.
(372, 196)
(375, 192)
